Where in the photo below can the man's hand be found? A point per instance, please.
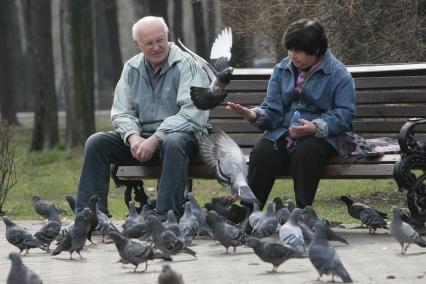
(243, 111)
(307, 129)
(143, 149)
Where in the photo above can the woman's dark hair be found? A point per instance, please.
(306, 35)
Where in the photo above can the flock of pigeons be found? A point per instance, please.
(280, 233)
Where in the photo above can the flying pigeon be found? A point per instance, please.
(76, 237)
(51, 229)
(20, 273)
(324, 257)
(20, 238)
(218, 72)
(227, 234)
(135, 251)
(228, 162)
(169, 276)
(40, 207)
(403, 232)
(271, 251)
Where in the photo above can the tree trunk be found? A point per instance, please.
(110, 8)
(8, 34)
(158, 8)
(178, 21)
(77, 58)
(200, 31)
(45, 130)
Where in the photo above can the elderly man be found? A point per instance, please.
(152, 116)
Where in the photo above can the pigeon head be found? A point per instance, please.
(319, 228)
(36, 198)
(225, 75)
(188, 207)
(395, 211)
(253, 242)
(347, 200)
(7, 221)
(15, 258)
(278, 202)
(213, 218)
(117, 238)
(69, 198)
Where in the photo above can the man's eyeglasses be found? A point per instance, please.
(151, 43)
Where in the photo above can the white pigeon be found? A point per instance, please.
(290, 233)
(403, 232)
(218, 71)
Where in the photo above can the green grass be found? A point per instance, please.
(54, 174)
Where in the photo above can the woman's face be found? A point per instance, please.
(301, 59)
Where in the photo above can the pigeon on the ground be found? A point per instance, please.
(104, 223)
(145, 212)
(172, 224)
(255, 215)
(49, 231)
(93, 216)
(20, 238)
(267, 224)
(71, 201)
(138, 231)
(40, 207)
(290, 204)
(324, 257)
(169, 276)
(218, 72)
(290, 233)
(224, 206)
(227, 234)
(165, 240)
(312, 218)
(135, 251)
(228, 162)
(371, 217)
(20, 273)
(271, 251)
(188, 225)
(198, 212)
(76, 237)
(355, 208)
(403, 232)
(133, 214)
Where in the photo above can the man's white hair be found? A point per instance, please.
(137, 26)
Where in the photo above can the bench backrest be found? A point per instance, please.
(386, 97)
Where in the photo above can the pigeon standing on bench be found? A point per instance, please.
(218, 71)
(228, 162)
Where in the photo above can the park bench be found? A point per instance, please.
(387, 96)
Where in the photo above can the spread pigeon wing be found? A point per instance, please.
(220, 54)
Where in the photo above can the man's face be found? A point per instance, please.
(153, 42)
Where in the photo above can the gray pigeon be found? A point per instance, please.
(324, 257)
(271, 251)
(188, 225)
(267, 224)
(40, 207)
(219, 74)
(169, 276)
(165, 240)
(76, 237)
(20, 273)
(172, 224)
(93, 216)
(135, 251)
(290, 233)
(228, 162)
(198, 212)
(145, 212)
(355, 208)
(403, 232)
(133, 214)
(255, 215)
(71, 201)
(20, 238)
(51, 229)
(227, 234)
(104, 223)
(312, 218)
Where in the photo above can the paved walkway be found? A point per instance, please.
(369, 259)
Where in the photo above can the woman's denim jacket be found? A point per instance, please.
(327, 99)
